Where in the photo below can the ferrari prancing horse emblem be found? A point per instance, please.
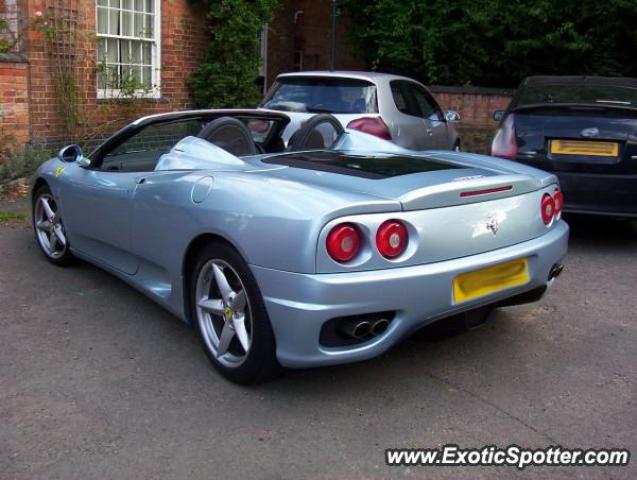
(492, 225)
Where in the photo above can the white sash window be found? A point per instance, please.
(128, 48)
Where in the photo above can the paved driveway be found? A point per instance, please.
(98, 382)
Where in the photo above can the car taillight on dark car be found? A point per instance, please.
(343, 242)
(391, 238)
(372, 125)
(504, 144)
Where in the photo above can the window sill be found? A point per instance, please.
(13, 57)
(128, 101)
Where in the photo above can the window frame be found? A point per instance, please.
(135, 137)
(404, 88)
(129, 131)
(155, 54)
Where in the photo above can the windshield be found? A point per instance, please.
(586, 94)
(322, 95)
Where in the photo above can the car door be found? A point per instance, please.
(97, 213)
(418, 121)
(98, 203)
(430, 110)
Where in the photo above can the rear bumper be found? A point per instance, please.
(614, 195)
(299, 304)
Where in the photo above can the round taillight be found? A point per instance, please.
(343, 242)
(391, 238)
(548, 208)
(558, 199)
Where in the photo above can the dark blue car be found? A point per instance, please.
(583, 129)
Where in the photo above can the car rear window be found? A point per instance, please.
(322, 95)
(585, 94)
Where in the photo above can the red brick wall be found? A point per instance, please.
(305, 25)
(14, 105)
(474, 104)
(281, 30)
(314, 33)
(183, 42)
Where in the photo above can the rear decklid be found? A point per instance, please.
(577, 124)
(577, 138)
(432, 180)
(458, 207)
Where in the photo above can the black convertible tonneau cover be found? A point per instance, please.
(374, 167)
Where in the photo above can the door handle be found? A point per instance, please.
(429, 131)
(141, 180)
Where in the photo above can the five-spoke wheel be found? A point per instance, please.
(230, 316)
(223, 312)
(49, 228)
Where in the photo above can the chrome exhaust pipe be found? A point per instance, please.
(362, 329)
(358, 329)
(556, 270)
(380, 326)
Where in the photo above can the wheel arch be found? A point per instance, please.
(37, 184)
(188, 263)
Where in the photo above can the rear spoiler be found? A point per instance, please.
(480, 189)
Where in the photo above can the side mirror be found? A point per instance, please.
(452, 116)
(498, 114)
(73, 153)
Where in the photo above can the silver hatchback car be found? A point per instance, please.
(389, 106)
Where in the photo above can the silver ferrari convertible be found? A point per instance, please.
(327, 250)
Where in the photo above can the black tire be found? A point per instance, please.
(260, 364)
(62, 258)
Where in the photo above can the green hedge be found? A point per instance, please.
(227, 77)
(495, 42)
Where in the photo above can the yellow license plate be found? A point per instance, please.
(485, 281)
(585, 147)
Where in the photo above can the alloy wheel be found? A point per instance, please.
(223, 313)
(49, 227)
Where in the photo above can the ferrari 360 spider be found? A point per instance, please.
(328, 250)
